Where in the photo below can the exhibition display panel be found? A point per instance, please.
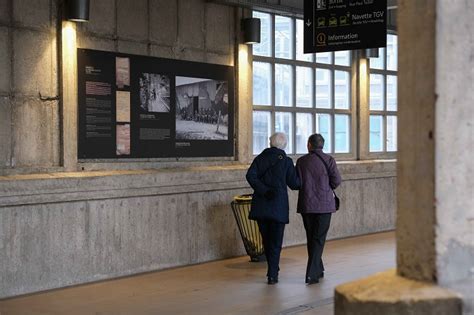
(144, 107)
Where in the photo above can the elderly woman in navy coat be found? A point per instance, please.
(269, 175)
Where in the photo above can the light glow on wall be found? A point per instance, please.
(69, 38)
(363, 71)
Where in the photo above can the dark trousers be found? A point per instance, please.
(316, 226)
(272, 236)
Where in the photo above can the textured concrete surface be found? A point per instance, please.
(35, 133)
(102, 18)
(164, 21)
(389, 294)
(70, 228)
(454, 136)
(96, 43)
(5, 11)
(132, 19)
(219, 17)
(5, 61)
(35, 14)
(191, 23)
(34, 63)
(5, 132)
(132, 48)
(416, 172)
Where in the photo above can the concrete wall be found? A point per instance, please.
(29, 129)
(454, 137)
(30, 36)
(70, 228)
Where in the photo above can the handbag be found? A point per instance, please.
(336, 198)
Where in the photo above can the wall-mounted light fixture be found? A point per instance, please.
(369, 53)
(251, 30)
(372, 53)
(77, 10)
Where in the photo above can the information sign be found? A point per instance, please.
(333, 25)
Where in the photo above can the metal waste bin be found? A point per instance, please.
(248, 228)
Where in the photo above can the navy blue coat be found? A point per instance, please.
(271, 171)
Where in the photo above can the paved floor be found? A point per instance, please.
(232, 286)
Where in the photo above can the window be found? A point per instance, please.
(383, 99)
(298, 93)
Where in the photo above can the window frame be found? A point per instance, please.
(385, 72)
(293, 109)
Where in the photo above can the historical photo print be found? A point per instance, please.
(202, 109)
(154, 93)
(123, 139)
(122, 106)
(122, 72)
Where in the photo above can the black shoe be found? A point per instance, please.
(272, 280)
(321, 275)
(310, 280)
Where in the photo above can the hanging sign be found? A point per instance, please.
(333, 25)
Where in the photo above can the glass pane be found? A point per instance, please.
(391, 133)
(342, 88)
(392, 50)
(342, 58)
(265, 46)
(283, 37)
(283, 85)
(341, 138)
(376, 133)
(323, 127)
(378, 63)
(391, 92)
(323, 88)
(284, 123)
(304, 129)
(325, 57)
(300, 55)
(261, 131)
(376, 92)
(262, 83)
(304, 87)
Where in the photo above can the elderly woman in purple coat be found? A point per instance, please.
(319, 175)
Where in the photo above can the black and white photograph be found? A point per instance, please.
(202, 109)
(154, 93)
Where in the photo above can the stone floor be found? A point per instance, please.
(231, 286)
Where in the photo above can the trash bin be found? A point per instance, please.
(248, 228)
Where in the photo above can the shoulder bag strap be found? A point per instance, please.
(327, 170)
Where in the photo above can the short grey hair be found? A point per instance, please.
(278, 140)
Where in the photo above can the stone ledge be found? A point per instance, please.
(17, 190)
(387, 293)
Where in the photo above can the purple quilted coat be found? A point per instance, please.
(315, 195)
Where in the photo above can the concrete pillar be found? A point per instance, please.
(435, 216)
(69, 96)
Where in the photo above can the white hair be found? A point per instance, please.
(278, 140)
